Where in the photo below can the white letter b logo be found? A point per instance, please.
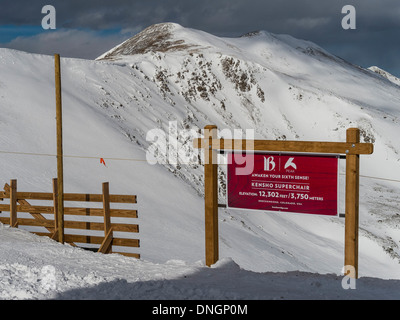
(269, 164)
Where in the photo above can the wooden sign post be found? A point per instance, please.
(60, 173)
(352, 149)
(352, 203)
(211, 196)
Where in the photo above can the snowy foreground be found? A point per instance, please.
(39, 268)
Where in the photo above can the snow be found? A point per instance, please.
(34, 267)
(111, 104)
(385, 74)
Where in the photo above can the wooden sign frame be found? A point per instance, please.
(352, 149)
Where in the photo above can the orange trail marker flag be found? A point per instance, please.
(103, 162)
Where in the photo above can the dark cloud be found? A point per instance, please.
(375, 41)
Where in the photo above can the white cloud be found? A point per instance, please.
(68, 43)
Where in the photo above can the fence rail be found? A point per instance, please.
(109, 243)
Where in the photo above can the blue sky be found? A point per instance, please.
(86, 29)
(10, 32)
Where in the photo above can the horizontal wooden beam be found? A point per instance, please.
(30, 209)
(82, 225)
(31, 222)
(124, 242)
(99, 240)
(122, 227)
(134, 243)
(117, 198)
(120, 213)
(128, 254)
(97, 226)
(71, 238)
(287, 146)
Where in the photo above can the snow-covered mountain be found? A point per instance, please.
(385, 74)
(274, 84)
(173, 78)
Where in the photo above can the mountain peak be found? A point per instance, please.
(156, 38)
(172, 37)
(385, 74)
(251, 34)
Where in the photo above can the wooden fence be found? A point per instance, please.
(46, 217)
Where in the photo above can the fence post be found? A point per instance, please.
(108, 233)
(352, 203)
(60, 169)
(211, 196)
(13, 204)
(55, 206)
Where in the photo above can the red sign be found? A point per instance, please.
(283, 182)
